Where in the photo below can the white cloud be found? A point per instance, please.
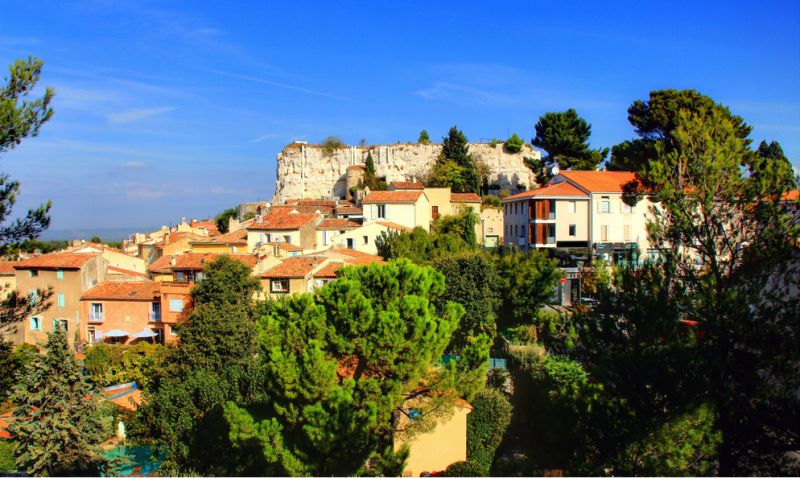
(263, 137)
(136, 114)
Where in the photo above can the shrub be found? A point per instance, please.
(331, 144)
(466, 468)
(514, 144)
(504, 193)
(112, 364)
(486, 425)
(494, 142)
(490, 200)
(423, 137)
(7, 462)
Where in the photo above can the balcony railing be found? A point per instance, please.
(95, 316)
(155, 316)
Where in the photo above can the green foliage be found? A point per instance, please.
(222, 218)
(466, 468)
(771, 166)
(20, 117)
(7, 462)
(470, 280)
(455, 167)
(527, 281)
(564, 136)
(418, 245)
(514, 144)
(423, 137)
(58, 427)
(378, 323)
(225, 281)
(461, 224)
(486, 426)
(331, 144)
(96, 240)
(370, 179)
(490, 200)
(13, 360)
(113, 364)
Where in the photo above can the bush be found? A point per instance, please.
(514, 144)
(331, 144)
(466, 468)
(424, 138)
(486, 426)
(504, 193)
(490, 200)
(7, 462)
(112, 364)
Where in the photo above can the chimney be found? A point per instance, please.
(172, 261)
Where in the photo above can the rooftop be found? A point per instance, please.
(283, 221)
(464, 197)
(56, 260)
(136, 291)
(599, 181)
(405, 185)
(392, 197)
(338, 223)
(564, 189)
(196, 261)
(294, 267)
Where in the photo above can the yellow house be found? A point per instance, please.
(118, 261)
(285, 225)
(435, 450)
(363, 238)
(231, 243)
(329, 228)
(292, 275)
(406, 208)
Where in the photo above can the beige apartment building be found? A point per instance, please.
(283, 226)
(70, 275)
(407, 208)
(578, 210)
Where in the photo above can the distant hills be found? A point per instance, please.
(107, 234)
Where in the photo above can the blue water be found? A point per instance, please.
(143, 462)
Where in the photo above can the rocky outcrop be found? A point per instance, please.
(305, 171)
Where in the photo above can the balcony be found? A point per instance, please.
(95, 317)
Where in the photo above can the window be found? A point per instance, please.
(571, 207)
(381, 211)
(626, 233)
(33, 273)
(551, 233)
(61, 300)
(92, 333)
(552, 208)
(351, 243)
(287, 239)
(176, 305)
(96, 313)
(180, 276)
(36, 324)
(434, 212)
(366, 240)
(603, 233)
(233, 249)
(605, 205)
(198, 276)
(279, 285)
(155, 312)
(516, 207)
(626, 209)
(33, 296)
(61, 324)
(59, 274)
(572, 230)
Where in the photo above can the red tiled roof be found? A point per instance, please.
(56, 260)
(560, 189)
(126, 272)
(349, 210)
(294, 267)
(196, 261)
(177, 236)
(285, 246)
(312, 202)
(356, 166)
(337, 223)
(791, 195)
(329, 271)
(94, 245)
(464, 197)
(392, 197)
(162, 265)
(209, 225)
(134, 291)
(283, 221)
(7, 267)
(358, 258)
(235, 237)
(408, 185)
(600, 181)
(393, 225)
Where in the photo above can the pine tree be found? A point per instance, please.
(423, 137)
(455, 167)
(370, 178)
(57, 426)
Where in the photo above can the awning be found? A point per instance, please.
(144, 334)
(116, 333)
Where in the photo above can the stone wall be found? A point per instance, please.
(304, 171)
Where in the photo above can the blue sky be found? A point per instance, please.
(177, 108)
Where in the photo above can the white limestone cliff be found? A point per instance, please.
(305, 171)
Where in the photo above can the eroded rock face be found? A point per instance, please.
(304, 171)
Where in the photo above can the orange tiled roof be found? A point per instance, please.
(285, 246)
(791, 195)
(329, 271)
(358, 258)
(134, 291)
(349, 210)
(302, 208)
(600, 181)
(283, 221)
(94, 245)
(7, 267)
(196, 261)
(126, 272)
(392, 197)
(393, 225)
(294, 267)
(464, 197)
(311, 202)
(356, 166)
(561, 189)
(162, 265)
(209, 225)
(56, 260)
(235, 237)
(337, 223)
(408, 185)
(177, 236)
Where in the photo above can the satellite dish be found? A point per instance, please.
(555, 170)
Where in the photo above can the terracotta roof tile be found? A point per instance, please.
(393, 225)
(791, 195)
(196, 261)
(126, 272)
(132, 291)
(329, 271)
(356, 167)
(312, 202)
(285, 246)
(162, 265)
(359, 258)
(294, 267)
(392, 197)
(209, 225)
(235, 237)
(56, 260)
(464, 197)
(600, 181)
(7, 267)
(559, 189)
(283, 221)
(349, 210)
(338, 223)
(177, 236)
(405, 185)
